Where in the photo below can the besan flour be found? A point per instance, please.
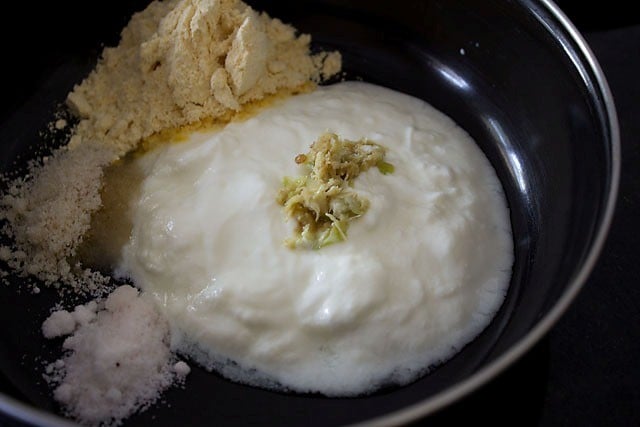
(211, 280)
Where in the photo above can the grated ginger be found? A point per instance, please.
(320, 202)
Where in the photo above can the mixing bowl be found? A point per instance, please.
(515, 74)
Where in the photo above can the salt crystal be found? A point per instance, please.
(63, 393)
(85, 314)
(59, 323)
(114, 394)
(181, 369)
(120, 360)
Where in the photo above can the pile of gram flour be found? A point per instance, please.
(182, 61)
(179, 63)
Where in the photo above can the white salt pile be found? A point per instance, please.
(118, 360)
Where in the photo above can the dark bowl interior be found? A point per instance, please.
(508, 72)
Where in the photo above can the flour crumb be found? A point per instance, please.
(329, 63)
(60, 124)
(118, 360)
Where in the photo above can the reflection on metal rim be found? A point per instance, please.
(456, 392)
(30, 415)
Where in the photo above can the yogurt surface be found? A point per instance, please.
(419, 276)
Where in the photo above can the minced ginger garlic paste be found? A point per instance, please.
(320, 201)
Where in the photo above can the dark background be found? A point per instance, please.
(585, 372)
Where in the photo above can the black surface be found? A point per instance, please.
(584, 373)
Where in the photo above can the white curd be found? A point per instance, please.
(419, 276)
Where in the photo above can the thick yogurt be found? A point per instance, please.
(421, 273)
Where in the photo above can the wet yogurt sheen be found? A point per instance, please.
(421, 273)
